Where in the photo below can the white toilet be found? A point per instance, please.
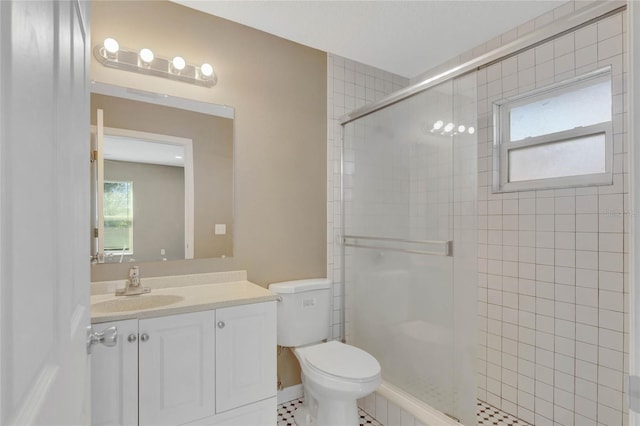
(334, 375)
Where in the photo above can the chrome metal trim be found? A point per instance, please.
(421, 252)
(399, 240)
(589, 14)
(108, 337)
(343, 274)
(353, 241)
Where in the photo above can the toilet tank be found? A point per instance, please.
(303, 311)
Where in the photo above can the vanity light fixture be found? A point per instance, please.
(206, 70)
(145, 61)
(177, 64)
(111, 47)
(146, 56)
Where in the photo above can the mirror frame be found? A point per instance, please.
(223, 111)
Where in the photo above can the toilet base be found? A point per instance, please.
(303, 417)
(338, 413)
(327, 411)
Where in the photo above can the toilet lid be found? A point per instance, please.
(345, 361)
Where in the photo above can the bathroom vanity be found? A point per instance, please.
(197, 349)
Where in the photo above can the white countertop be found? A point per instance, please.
(199, 297)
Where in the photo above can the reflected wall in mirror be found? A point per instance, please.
(162, 178)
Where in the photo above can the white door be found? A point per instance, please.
(44, 213)
(176, 368)
(245, 354)
(114, 377)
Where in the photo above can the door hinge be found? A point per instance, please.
(634, 393)
(94, 156)
(96, 234)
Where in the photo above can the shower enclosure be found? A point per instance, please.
(409, 196)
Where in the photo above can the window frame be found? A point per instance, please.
(502, 143)
(129, 251)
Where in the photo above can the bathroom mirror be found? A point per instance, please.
(162, 177)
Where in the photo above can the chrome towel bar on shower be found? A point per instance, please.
(422, 247)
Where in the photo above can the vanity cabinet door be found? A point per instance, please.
(176, 368)
(245, 355)
(114, 377)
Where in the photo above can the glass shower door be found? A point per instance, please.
(401, 213)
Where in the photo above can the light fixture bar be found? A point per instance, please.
(128, 60)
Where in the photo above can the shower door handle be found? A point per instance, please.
(421, 247)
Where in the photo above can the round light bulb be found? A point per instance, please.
(438, 125)
(178, 63)
(448, 127)
(206, 70)
(111, 45)
(471, 130)
(146, 55)
(461, 128)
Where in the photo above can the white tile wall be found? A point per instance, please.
(553, 264)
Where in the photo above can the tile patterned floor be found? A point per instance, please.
(285, 415)
(487, 415)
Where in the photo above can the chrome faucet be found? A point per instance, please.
(134, 286)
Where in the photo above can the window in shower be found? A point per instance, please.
(558, 136)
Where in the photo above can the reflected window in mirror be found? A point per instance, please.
(118, 217)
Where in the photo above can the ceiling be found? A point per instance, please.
(404, 37)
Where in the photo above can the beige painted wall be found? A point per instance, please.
(278, 89)
(279, 92)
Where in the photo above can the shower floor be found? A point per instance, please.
(489, 415)
(486, 415)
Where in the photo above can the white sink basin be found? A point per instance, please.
(135, 303)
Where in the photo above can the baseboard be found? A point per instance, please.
(289, 394)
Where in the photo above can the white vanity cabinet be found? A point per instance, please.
(244, 366)
(215, 367)
(176, 369)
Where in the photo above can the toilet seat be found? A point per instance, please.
(341, 361)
